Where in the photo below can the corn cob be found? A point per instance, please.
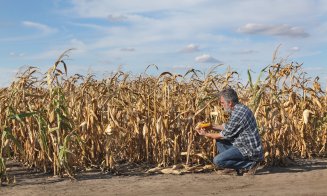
(204, 125)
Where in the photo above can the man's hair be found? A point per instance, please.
(229, 94)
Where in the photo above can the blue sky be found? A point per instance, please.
(129, 35)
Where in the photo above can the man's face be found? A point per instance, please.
(227, 105)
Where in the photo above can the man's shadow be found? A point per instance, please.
(299, 165)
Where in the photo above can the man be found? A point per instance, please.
(238, 142)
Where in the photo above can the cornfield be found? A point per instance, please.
(63, 124)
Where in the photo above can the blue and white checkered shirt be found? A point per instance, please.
(242, 131)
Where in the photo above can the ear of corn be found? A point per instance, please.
(204, 125)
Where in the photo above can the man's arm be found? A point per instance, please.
(203, 131)
(216, 127)
(214, 135)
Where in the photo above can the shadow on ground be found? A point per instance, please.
(299, 165)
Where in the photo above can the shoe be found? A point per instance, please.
(252, 170)
(227, 171)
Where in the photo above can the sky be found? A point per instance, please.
(129, 35)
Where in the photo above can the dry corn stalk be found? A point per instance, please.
(62, 122)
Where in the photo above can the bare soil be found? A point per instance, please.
(307, 177)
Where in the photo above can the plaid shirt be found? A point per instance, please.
(242, 131)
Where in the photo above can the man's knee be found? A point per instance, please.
(223, 145)
(218, 161)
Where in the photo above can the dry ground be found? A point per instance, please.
(308, 177)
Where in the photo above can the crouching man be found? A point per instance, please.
(238, 140)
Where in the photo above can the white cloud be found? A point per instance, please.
(79, 47)
(275, 30)
(206, 58)
(295, 48)
(51, 54)
(13, 54)
(190, 48)
(117, 18)
(127, 49)
(198, 12)
(77, 44)
(152, 23)
(91, 26)
(43, 28)
(247, 51)
(104, 8)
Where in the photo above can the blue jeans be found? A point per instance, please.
(230, 157)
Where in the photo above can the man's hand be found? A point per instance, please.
(204, 131)
(201, 131)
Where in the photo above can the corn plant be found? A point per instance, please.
(64, 124)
